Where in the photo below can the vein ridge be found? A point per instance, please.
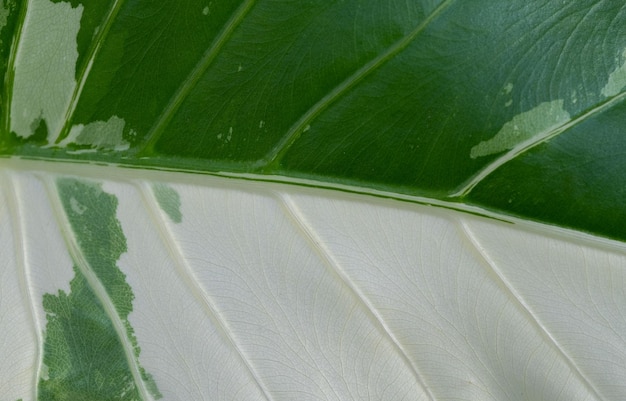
(20, 248)
(525, 146)
(466, 231)
(10, 71)
(194, 76)
(97, 287)
(275, 155)
(290, 209)
(84, 73)
(150, 201)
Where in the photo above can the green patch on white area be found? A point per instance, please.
(90, 349)
(99, 135)
(169, 201)
(45, 67)
(534, 123)
(617, 79)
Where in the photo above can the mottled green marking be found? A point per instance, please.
(84, 357)
(45, 79)
(617, 79)
(99, 135)
(169, 200)
(533, 123)
(4, 15)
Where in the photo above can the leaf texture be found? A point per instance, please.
(268, 292)
(517, 107)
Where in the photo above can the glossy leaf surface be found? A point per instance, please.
(139, 285)
(514, 106)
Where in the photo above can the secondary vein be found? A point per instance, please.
(533, 142)
(271, 160)
(96, 285)
(192, 79)
(86, 67)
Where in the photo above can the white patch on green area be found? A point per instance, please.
(45, 67)
(536, 122)
(617, 79)
(206, 10)
(100, 135)
(508, 88)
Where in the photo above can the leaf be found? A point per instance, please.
(133, 284)
(272, 292)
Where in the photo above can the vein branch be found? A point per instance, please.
(96, 285)
(531, 143)
(192, 79)
(86, 67)
(186, 272)
(466, 231)
(10, 72)
(314, 241)
(272, 159)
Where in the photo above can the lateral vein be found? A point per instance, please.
(271, 160)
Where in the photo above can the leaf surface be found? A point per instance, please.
(513, 107)
(267, 292)
(138, 285)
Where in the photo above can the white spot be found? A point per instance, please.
(239, 68)
(230, 134)
(509, 103)
(261, 124)
(206, 10)
(76, 206)
(534, 123)
(508, 88)
(308, 127)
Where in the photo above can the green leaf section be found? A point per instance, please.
(84, 356)
(169, 201)
(454, 100)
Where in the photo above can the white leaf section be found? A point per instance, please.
(577, 292)
(18, 342)
(272, 292)
(182, 343)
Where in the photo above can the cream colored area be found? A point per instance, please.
(45, 68)
(274, 292)
(99, 135)
(534, 123)
(19, 357)
(617, 79)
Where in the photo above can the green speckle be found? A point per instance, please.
(83, 353)
(169, 200)
(617, 79)
(4, 15)
(524, 126)
(45, 79)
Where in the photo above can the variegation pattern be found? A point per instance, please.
(249, 291)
